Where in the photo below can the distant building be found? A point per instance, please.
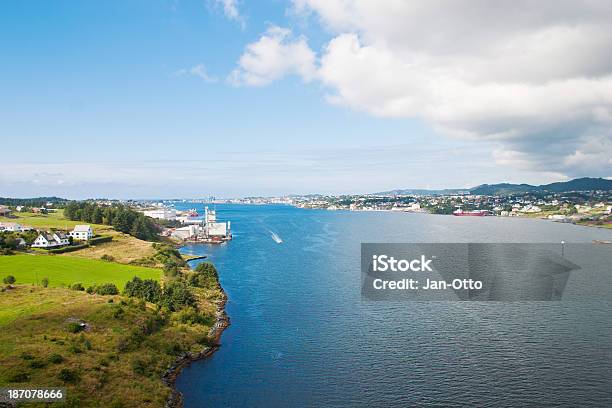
(51, 240)
(81, 232)
(4, 211)
(161, 214)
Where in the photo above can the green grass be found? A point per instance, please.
(115, 359)
(63, 271)
(51, 220)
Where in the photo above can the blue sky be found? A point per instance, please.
(157, 99)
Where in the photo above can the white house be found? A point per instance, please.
(82, 232)
(51, 240)
(10, 226)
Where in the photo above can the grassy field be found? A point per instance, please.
(63, 270)
(123, 248)
(116, 361)
(51, 220)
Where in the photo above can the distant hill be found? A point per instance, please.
(580, 184)
(32, 202)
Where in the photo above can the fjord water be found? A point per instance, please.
(302, 336)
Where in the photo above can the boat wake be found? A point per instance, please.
(276, 238)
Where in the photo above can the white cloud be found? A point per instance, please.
(230, 9)
(536, 77)
(200, 71)
(276, 54)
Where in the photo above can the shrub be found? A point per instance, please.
(77, 286)
(45, 282)
(18, 377)
(90, 290)
(139, 366)
(74, 327)
(189, 315)
(56, 358)
(74, 349)
(118, 312)
(148, 289)
(37, 364)
(106, 289)
(177, 295)
(205, 276)
(26, 356)
(9, 280)
(107, 258)
(68, 376)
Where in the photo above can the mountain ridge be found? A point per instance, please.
(579, 184)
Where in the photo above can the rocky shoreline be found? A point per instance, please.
(175, 400)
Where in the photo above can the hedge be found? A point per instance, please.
(99, 240)
(70, 248)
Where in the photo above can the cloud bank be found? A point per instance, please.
(534, 78)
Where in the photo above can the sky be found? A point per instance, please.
(229, 98)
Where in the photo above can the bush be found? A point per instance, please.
(189, 315)
(205, 276)
(139, 366)
(74, 349)
(37, 364)
(148, 289)
(9, 280)
(68, 376)
(118, 312)
(106, 289)
(56, 358)
(74, 327)
(45, 282)
(77, 286)
(18, 377)
(107, 258)
(177, 295)
(26, 356)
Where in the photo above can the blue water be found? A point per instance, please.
(302, 336)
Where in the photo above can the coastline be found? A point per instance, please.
(222, 321)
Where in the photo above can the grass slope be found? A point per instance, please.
(63, 271)
(116, 362)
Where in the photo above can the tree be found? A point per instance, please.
(177, 295)
(148, 289)
(121, 221)
(96, 215)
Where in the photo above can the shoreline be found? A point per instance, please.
(222, 321)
